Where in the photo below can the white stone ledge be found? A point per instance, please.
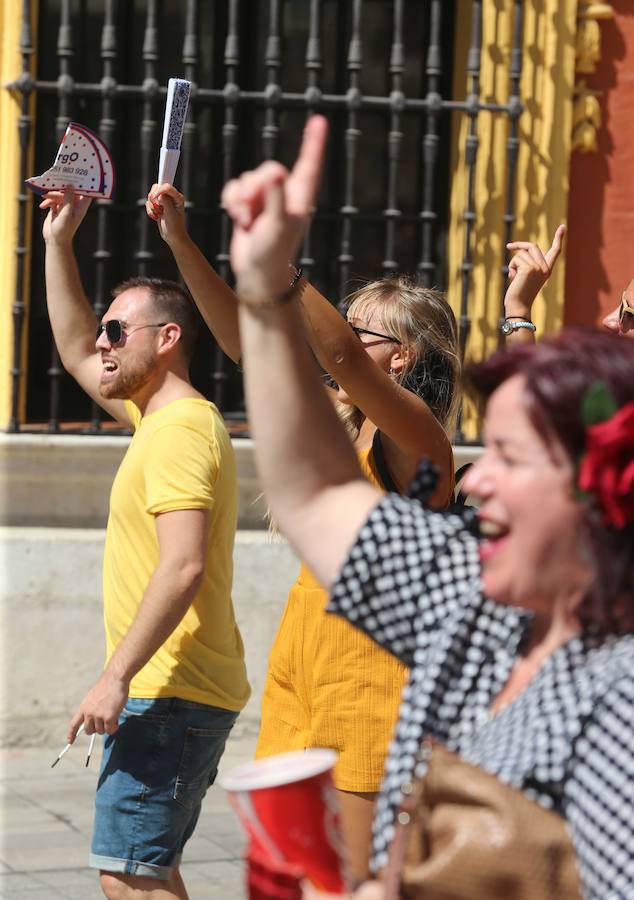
(65, 480)
(51, 622)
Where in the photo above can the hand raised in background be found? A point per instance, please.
(529, 270)
(166, 206)
(270, 208)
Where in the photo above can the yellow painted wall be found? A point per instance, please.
(10, 108)
(548, 69)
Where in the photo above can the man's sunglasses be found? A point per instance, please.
(385, 337)
(626, 311)
(115, 329)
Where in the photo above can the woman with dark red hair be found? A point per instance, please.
(517, 623)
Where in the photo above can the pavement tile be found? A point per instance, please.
(62, 851)
(38, 835)
(18, 885)
(71, 884)
(201, 849)
(227, 884)
(13, 800)
(25, 814)
(65, 798)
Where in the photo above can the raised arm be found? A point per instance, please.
(529, 270)
(212, 295)
(308, 467)
(72, 318)
(409, 425)
(397, 412)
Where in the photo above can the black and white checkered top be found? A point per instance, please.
(412, 583)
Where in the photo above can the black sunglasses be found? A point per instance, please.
(115, 329)
(385, 337)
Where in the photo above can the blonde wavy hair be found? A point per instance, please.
(424, 323)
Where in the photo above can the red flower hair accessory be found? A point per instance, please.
(606, 472)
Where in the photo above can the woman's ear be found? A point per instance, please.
(400, 359)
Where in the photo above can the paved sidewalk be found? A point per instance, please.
(47, 820)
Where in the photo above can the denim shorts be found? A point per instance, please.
(155, 771)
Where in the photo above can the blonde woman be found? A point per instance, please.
(329, 685)
(395, 361)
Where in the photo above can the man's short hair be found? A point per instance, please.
(172, 303)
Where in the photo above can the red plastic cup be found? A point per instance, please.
(268, 880)
(289, 806)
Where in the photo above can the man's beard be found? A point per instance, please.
(126, 384)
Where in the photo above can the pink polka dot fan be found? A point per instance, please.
(83, 161)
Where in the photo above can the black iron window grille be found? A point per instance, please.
(380, 69)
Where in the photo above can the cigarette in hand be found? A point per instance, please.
(67, 747)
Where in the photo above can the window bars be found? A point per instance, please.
(382, 71)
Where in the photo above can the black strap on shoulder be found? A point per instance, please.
(461, 497)
(381, 466)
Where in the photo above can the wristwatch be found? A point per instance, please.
(508, 326)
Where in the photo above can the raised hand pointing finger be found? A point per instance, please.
(555, 249)
(303, 182)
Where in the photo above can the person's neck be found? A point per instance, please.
(366, 435)
(166, 387)
(548, 633)
(551, 631)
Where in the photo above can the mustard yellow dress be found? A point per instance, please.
(328, 685)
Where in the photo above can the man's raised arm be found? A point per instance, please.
(72, 318)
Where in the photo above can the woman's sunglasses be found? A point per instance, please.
(115, 329)
(626, 312)
(385, 337)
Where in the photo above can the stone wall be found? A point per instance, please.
(51, 622)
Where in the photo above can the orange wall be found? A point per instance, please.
(600, 257)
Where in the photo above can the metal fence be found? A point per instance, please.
(380, 69)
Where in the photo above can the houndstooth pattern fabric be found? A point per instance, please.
(412, 583)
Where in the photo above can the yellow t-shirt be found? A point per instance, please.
(180, 457)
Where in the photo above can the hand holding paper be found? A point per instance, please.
(66, 213)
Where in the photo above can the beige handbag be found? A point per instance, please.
(462, 834)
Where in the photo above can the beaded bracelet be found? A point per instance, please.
(274, 302)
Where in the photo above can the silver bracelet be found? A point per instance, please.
(512, 324)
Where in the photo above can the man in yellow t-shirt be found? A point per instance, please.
(174, 679)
